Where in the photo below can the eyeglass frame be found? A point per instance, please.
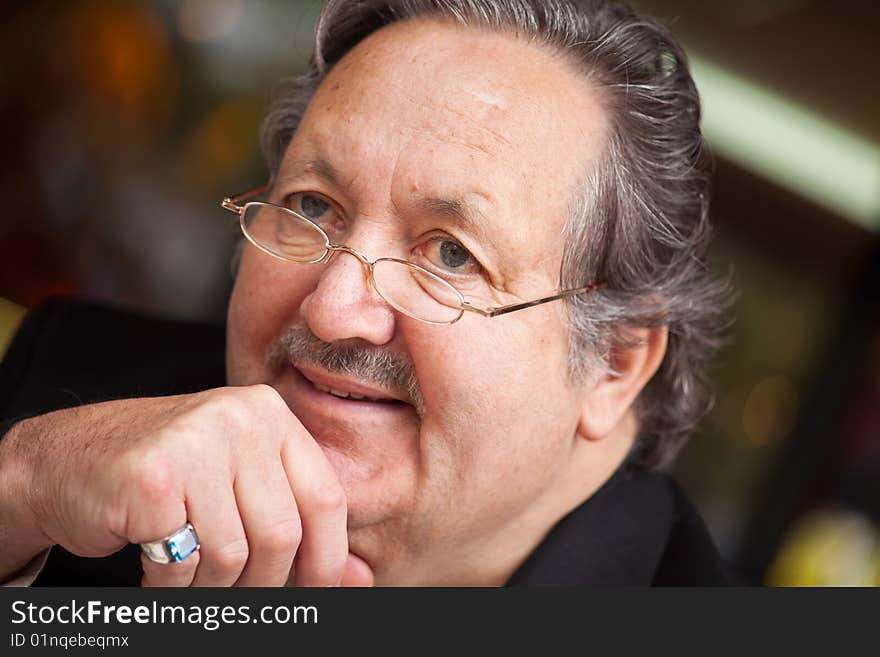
(231, 203)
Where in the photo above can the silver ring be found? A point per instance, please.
(173, 548)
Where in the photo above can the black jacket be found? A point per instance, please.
(638, 529)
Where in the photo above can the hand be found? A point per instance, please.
(235, 462)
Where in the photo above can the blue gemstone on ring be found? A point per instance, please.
(183, 543)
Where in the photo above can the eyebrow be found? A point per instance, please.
(469, 217)
(318, 166)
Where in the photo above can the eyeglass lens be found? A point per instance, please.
(283, 233)
(409, 289)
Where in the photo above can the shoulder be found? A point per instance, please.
(672, 537)
(638, 529)
(78, 326)
(70, 351)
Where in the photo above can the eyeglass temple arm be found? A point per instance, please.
(231, 203)
(502, 310)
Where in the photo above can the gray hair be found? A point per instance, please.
(641, 222)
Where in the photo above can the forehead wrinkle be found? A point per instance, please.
(468, 120)
(483, 127)
(469, 108)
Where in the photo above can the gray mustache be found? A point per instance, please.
(373, 365)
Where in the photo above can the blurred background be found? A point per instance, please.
(124, 122)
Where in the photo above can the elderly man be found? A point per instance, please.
(469, 326)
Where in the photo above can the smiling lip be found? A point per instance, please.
(343, 387)
(345, 425)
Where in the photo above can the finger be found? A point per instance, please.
(180, 573)
(357, 572)
(157, 508)
(224, 549)
(320, 499)
(271, 522)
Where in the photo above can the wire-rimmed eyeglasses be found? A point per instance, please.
(405, 286)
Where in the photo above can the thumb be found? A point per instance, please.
(357, 572)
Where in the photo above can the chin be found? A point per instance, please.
(374, 492)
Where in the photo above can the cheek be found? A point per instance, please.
(499, 397)
(264, 300)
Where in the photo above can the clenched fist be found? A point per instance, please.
(235, 462)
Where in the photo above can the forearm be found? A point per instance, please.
(21, 537)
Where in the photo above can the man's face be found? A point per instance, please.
(460, 150)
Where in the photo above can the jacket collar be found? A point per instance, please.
(615, 538)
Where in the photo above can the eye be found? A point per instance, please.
(448, 256)
(316, 209)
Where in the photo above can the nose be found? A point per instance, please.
(342, 305)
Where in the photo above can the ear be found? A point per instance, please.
(635, 357)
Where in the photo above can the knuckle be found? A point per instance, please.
(228, 410)
(330, 498)
(239, 405)
(231, 406)
(283, 538)
(153, 478)
(267, 399)
(264, 391)
(232, 557)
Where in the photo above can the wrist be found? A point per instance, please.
(20, 524)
